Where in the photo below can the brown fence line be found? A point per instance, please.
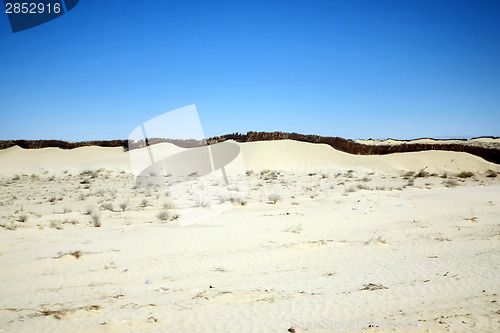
(345, 145)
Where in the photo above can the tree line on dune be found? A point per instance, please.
(345, 145)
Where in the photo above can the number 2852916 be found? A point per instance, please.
(32, 8)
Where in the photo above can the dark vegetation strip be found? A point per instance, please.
(345, 145)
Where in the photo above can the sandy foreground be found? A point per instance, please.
(312, 240)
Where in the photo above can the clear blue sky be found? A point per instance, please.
(353, 68)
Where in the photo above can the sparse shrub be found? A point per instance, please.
(22, 218)
(450, 183)
(85, 181)
(164, 215)
(11, 226)
(239, 200)
(296, 230)
(90, 173)
(66, 210)
(52, 199)
(168, 205)
(200, 202)
(408, 175)
(274, 198)
(89, 210)
(56, 225)
(351, 189)
(144, 203)
(76, 254)
(422, 174)
(366, 179)
(269, 174)
(491, 174)
(411, 182)
(222, 198)
(444, 175)
(123, 206)
(96, 219)
(465, 174)
(73, 221)
(107, 206)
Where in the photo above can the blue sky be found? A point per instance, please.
(355, 69)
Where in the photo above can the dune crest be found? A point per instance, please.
(282, 154)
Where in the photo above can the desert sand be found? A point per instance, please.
(310, 240)
(486, 142)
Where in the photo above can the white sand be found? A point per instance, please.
(283, 154)
(479, 142)
(351, 238)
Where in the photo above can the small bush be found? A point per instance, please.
(408, 175)
(56, 225)
(107, 206)
(274, 198)
(465, 174)
(350, 190)
(491, 174)
(422, 174)
(22, 218)
(123, 206)
(222, 198)
(199, 202)
(96, 220)
(88, 210)
(450, 183)
(144, 203)
(164, 216)
(239, 200)
(90, 173)
(77, 254)
(168, 205)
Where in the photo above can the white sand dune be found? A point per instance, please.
(351, 244)
(282, 154)
(479, 142)
(291, 155)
